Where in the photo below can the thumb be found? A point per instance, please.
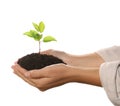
(56, 53)
(35, 74)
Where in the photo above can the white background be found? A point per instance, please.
(80, 26)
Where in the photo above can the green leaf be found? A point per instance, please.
(28, 34)
(41, 26)
(36, 26)
(48, 39)
(37, 37)
(34, 34)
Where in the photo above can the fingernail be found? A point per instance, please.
(27, 74)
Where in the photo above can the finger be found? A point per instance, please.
(46, 72)
(51, 83)
(29, 76)
(39, 83)
(21, 70)
(48, 52)
(40, 73)
(22, 76)
(17, 67)
(60, 54)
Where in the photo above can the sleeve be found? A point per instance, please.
(110, 79)
(110, 54)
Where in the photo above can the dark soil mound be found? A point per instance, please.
(38, 61)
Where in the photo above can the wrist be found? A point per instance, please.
(85, 75)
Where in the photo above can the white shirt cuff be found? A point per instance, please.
(110, 54)
(110, 79)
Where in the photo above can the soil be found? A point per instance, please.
(37, 61)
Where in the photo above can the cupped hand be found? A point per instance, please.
(45, 78)
(66, 57)
(60, 54)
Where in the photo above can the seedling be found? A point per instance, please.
(37, 60)
(37, 34)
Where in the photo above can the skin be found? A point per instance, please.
(82, 69)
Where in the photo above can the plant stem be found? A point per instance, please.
(39, 46)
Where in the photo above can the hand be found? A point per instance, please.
(84, 69)
(87, 60)
(60, 54)
(67, 58)
(45, 78)
(58, 74)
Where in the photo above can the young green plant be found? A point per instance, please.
(37, 34)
